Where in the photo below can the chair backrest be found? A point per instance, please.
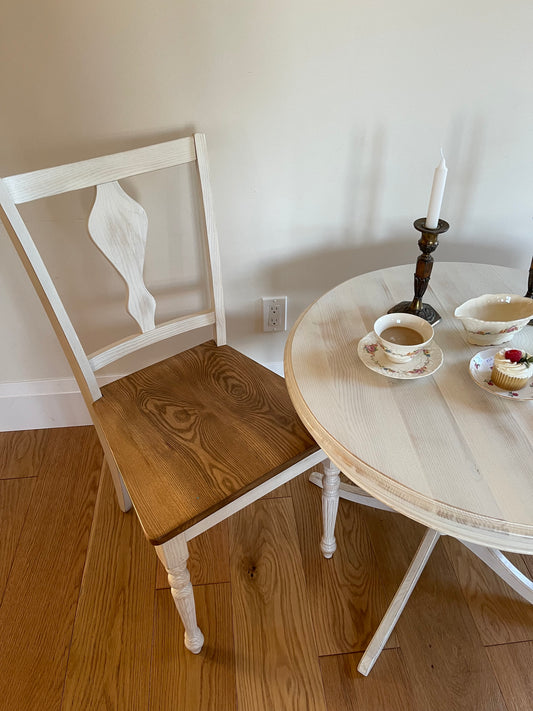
(118, 226)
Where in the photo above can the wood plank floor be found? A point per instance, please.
(87, 621)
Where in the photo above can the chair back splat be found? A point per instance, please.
(193, 437)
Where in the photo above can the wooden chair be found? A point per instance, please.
(193, 438)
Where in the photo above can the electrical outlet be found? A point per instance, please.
(275, 313)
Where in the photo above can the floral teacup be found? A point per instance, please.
(401, 336)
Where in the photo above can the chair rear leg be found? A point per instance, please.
(174, 555)
(123, 498)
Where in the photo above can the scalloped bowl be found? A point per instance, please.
(492, 319)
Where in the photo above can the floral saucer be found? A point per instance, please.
(480, 370)
(424, 363)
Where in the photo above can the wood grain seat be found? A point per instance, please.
(196, 431)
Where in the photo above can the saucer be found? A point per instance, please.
(422, 364)
(480, 369)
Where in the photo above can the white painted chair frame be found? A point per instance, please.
(113, 204)
(333, 489)
(174, 553)
(98, 172)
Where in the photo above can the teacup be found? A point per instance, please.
(402, 335)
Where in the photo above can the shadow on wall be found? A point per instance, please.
(316, 272)
(305, 277)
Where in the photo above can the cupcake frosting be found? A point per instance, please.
(510, 368)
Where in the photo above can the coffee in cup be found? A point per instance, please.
(401, 336)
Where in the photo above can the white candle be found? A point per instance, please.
(437, 192)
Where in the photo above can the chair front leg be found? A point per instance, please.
(174, 555)
(330, 504)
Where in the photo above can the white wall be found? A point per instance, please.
(324, 124)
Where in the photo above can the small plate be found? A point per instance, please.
(424, 363)
(480, 370)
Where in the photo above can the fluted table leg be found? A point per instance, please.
(330, 504)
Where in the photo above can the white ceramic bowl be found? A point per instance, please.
(492, 319)
(394, 351)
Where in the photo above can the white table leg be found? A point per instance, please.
(330, 503)
(332, 489)
(503, 567)
(399, 601)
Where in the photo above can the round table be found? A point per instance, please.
(438, 449)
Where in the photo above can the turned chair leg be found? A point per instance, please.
(174, 555)
(330, 504)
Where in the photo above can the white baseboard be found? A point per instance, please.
(276, 367)
(41, 404)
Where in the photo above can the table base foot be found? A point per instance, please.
(492, 557)
(503, 567)
(399, 601)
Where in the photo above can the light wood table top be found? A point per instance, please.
(438, 449)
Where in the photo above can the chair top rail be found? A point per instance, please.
(105, 169)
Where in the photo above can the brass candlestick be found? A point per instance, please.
(428, 243)
(529, 293)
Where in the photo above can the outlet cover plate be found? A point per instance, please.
(274, 313)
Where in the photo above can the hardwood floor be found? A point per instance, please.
(87, 621)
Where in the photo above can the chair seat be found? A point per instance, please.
(196, 431)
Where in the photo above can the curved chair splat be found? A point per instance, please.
(118, 226)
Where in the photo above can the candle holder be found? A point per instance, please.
(428, 243)
(529, 293)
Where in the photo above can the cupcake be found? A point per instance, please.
(512, 369)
